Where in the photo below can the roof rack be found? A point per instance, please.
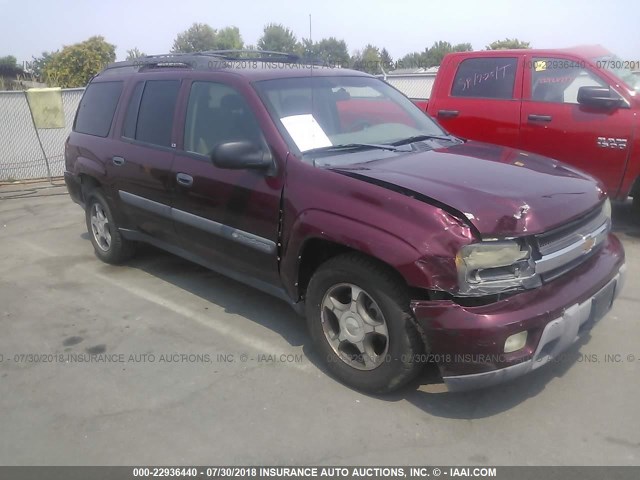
(260, 54)
(197, 60)
(265, 56)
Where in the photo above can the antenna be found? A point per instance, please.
(311, 74)
(311, 42)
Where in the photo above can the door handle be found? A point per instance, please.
(539, 118)
(184, 179)
(448, 113)
(117, 161)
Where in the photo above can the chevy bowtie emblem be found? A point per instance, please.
(588, 244)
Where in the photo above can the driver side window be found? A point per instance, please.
(217, 114)
(558, 80)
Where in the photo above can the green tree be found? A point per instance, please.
(278, 38)
(435, 54)
(134, 53)
(75, 64)
(9, 61)
(386, 60)
(463, 47)
(367, 60)
(199, 37)
(334, 51)
(308, 49)
(38, 65)
(507, 44)
(330, 51)
(413, 60)
(228, 38)
(9, 70)
(432, 57)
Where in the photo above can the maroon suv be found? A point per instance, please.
(329, 189)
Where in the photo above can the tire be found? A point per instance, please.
(373, 364)
(109, 244)
(635, 208)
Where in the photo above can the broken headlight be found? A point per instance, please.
(606, 209)
(488, 268)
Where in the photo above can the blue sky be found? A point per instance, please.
(28, 27)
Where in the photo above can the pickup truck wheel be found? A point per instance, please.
(635, 207)
(109, 244)
(359, 319)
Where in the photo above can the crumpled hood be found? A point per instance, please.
(502, 191)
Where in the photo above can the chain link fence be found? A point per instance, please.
(21, 157)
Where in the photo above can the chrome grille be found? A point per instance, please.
(569, 234)
(567, 246)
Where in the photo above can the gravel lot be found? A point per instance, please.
(168, 390)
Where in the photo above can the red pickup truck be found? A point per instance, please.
(578, 105)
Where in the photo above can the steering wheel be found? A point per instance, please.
(359, 125)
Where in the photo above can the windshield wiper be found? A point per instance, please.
(355, 146)
(419, 138)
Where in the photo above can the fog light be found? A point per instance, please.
(515, 342)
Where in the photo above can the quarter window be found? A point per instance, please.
(485, 78)
(97, 107)
(558, 80)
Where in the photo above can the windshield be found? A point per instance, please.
(622, 69)
(319, 112)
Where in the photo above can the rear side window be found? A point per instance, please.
(97, 107)
(485, 78)
(155, 115)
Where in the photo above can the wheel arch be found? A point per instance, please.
(87, 184)
(316, 251)
(318, 236)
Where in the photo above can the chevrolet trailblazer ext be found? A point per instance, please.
(331, 190)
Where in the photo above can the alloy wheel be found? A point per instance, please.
(354, 326)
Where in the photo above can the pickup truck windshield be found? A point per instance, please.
(621, 69)
(325, 111)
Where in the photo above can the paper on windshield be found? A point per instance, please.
(306, 132)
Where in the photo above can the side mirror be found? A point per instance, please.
(241, 155)
(602, 97)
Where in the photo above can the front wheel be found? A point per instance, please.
(359, 319)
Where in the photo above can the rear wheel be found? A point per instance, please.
(359, 319)
(109, 244)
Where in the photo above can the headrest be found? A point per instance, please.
(232, 102)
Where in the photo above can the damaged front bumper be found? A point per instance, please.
(468, 343)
